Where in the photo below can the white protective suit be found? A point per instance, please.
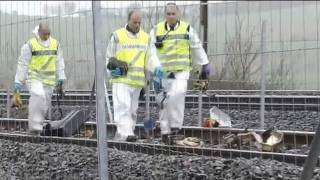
(40, 95)
(172, 114)
(125, 97)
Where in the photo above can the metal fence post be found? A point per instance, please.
(312, 158)
(8, 103)
(147, 93)
(263, 64)
(204, 35)
(100, 94)
(200, 108)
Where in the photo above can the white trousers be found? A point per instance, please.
(172, 114)
(39, 103)
(125, 104)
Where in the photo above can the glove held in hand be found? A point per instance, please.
(115, 63)
(16, 100)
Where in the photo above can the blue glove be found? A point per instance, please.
(205, 72)
(158, 72)
(17, 87)
(116, 72)
(60, 82)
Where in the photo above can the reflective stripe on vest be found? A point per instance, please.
(175, 53)
(42, 66)
(45, 52)
(133, 52)
(174, 36)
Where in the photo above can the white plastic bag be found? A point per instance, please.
(218, 115)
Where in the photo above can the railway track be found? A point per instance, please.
(211, 135)
(148, 148)
(225, 92)
(309, 102)
(14, 129)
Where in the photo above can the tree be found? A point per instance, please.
(280, 76)
(150, 15)
(240, 55)
(59, 8)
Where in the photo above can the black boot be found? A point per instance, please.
(165, 138)
(157, 132)
(132, 138)
(176, 131)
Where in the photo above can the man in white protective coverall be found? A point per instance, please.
(41, 68)
(128, 59)
(178, 48)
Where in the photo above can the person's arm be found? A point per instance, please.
(152, 38)
(198, 54)
(23, 63)
(153, 60)
(60, 64)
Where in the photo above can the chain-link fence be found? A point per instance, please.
(256, 120)
(47, 138)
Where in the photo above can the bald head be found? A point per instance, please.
(44, 31)
(134, 20)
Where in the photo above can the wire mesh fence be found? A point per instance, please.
(256, 120)
(56, 144)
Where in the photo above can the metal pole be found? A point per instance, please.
(147, 121)
(108, 103)
(312, 158)
(8, 103)
(100, 94)
(50, 112)
(200, 108)
(204, 23)
(147, 92)
(204, 32)
(263, 86)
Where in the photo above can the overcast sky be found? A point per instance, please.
(37, 7)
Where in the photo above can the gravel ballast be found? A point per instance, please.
(60, 161)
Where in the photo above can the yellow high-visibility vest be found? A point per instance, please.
(175, 54)
(133, 52)
(42, 66)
